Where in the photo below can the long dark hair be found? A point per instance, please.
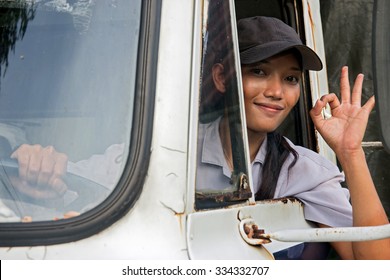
(278, 150)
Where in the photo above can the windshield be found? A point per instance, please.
(68, 72)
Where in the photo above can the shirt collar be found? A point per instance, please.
(260, 156)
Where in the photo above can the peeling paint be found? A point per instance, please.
(284, 200)
(312, 24)
(310, 16)
(173, 150)
(252, 234)
(180, 215)
(172, 174)
(238, 216)
(36, 253)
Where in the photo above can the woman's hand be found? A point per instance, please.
(41, 170)
(344, 130)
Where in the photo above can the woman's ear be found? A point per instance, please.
(218, 72)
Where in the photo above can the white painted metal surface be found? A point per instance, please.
(155, 227)
(216, 234)
(318, 79)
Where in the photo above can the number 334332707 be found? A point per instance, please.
(242, 270)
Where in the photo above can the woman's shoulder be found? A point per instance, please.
(307, 156)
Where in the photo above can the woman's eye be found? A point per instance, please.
(257, 71)
(292, 79)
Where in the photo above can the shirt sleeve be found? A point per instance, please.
(317, 183)
(104, 169)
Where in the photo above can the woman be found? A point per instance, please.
(273, 58)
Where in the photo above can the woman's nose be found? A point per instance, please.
(274, 88)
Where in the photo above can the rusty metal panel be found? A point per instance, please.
(223, 240)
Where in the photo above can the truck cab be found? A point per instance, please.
(121, 87)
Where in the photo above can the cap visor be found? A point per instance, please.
(310, 60)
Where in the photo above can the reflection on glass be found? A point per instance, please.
(66, 95)
(221, 172)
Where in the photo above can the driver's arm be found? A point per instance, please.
(41, 171)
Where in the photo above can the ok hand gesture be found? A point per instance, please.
(344, 130)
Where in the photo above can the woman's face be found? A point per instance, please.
(271, 89)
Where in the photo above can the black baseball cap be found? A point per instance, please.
(263, 37)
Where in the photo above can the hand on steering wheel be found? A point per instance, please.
(41, 171)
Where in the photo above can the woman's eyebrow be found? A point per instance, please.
(265, 62)
(296, 68)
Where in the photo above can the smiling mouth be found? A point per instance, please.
(269, 107)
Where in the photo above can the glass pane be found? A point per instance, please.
(67, 80)
(222, 171)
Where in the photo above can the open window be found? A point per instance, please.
(226, 104)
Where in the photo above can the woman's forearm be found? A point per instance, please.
(366, 204)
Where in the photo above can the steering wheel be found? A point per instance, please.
(89, 193)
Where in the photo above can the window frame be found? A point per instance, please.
(241, 191)
(304, 130)
(130, 185)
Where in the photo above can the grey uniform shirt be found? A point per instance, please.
(313, 179)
